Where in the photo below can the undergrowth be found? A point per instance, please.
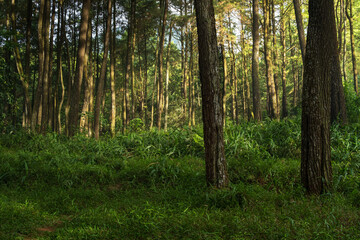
(151, 185)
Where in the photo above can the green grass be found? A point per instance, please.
(151, 185)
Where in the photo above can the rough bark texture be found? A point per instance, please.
(76, 89)
(255, 61)
(216, 170)
(100, 90)
(316, 172)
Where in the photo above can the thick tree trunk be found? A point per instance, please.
(76, 89)
(216, 169)
(255, 61)
(100, 90)
(316, 172)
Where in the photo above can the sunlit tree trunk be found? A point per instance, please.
(349, 14)
(167, 80)
(275, 53)
(273, 107)
(100, 90)
(84, 119)
(23, 78)
(283, 64)
(160, 65)
(255, 61)
(76, 89)
(300, 27)
(154, 84)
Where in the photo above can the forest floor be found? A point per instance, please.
(151, 185)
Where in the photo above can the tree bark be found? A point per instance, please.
(216, 169)
(349, 14)
(76, 89)
(112, 77)
(160, 104)
(274, 110)
(283, 65)
(24, 77)
(46, 70)
(255, 61)
(167, 80)
(300, 27)
(316, 172)
(100, 90)
(84, 119)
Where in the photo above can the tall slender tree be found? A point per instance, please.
(76, 89)
(300, 27)
(216, 170)
(350, 16)
(100, 90)
(255, 61)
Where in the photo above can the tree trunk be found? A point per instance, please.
(349, 14)
(51, 94)
(112, 77)
(60, 77)
(283, 65)
(235, 107)
(76, 89)
(275, 54)
(216, 169)
(274, 111)
(160, 65)
(167, 80)
(154, 84)
(100, 90)
(23, 78)
(255, 61)
(316, 172)
(27, 62)
(84, 119)
(300, 27)
(46, 70)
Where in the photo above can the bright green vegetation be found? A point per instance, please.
(151, 185)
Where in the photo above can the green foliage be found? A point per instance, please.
(352, 103)
(151, 185)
